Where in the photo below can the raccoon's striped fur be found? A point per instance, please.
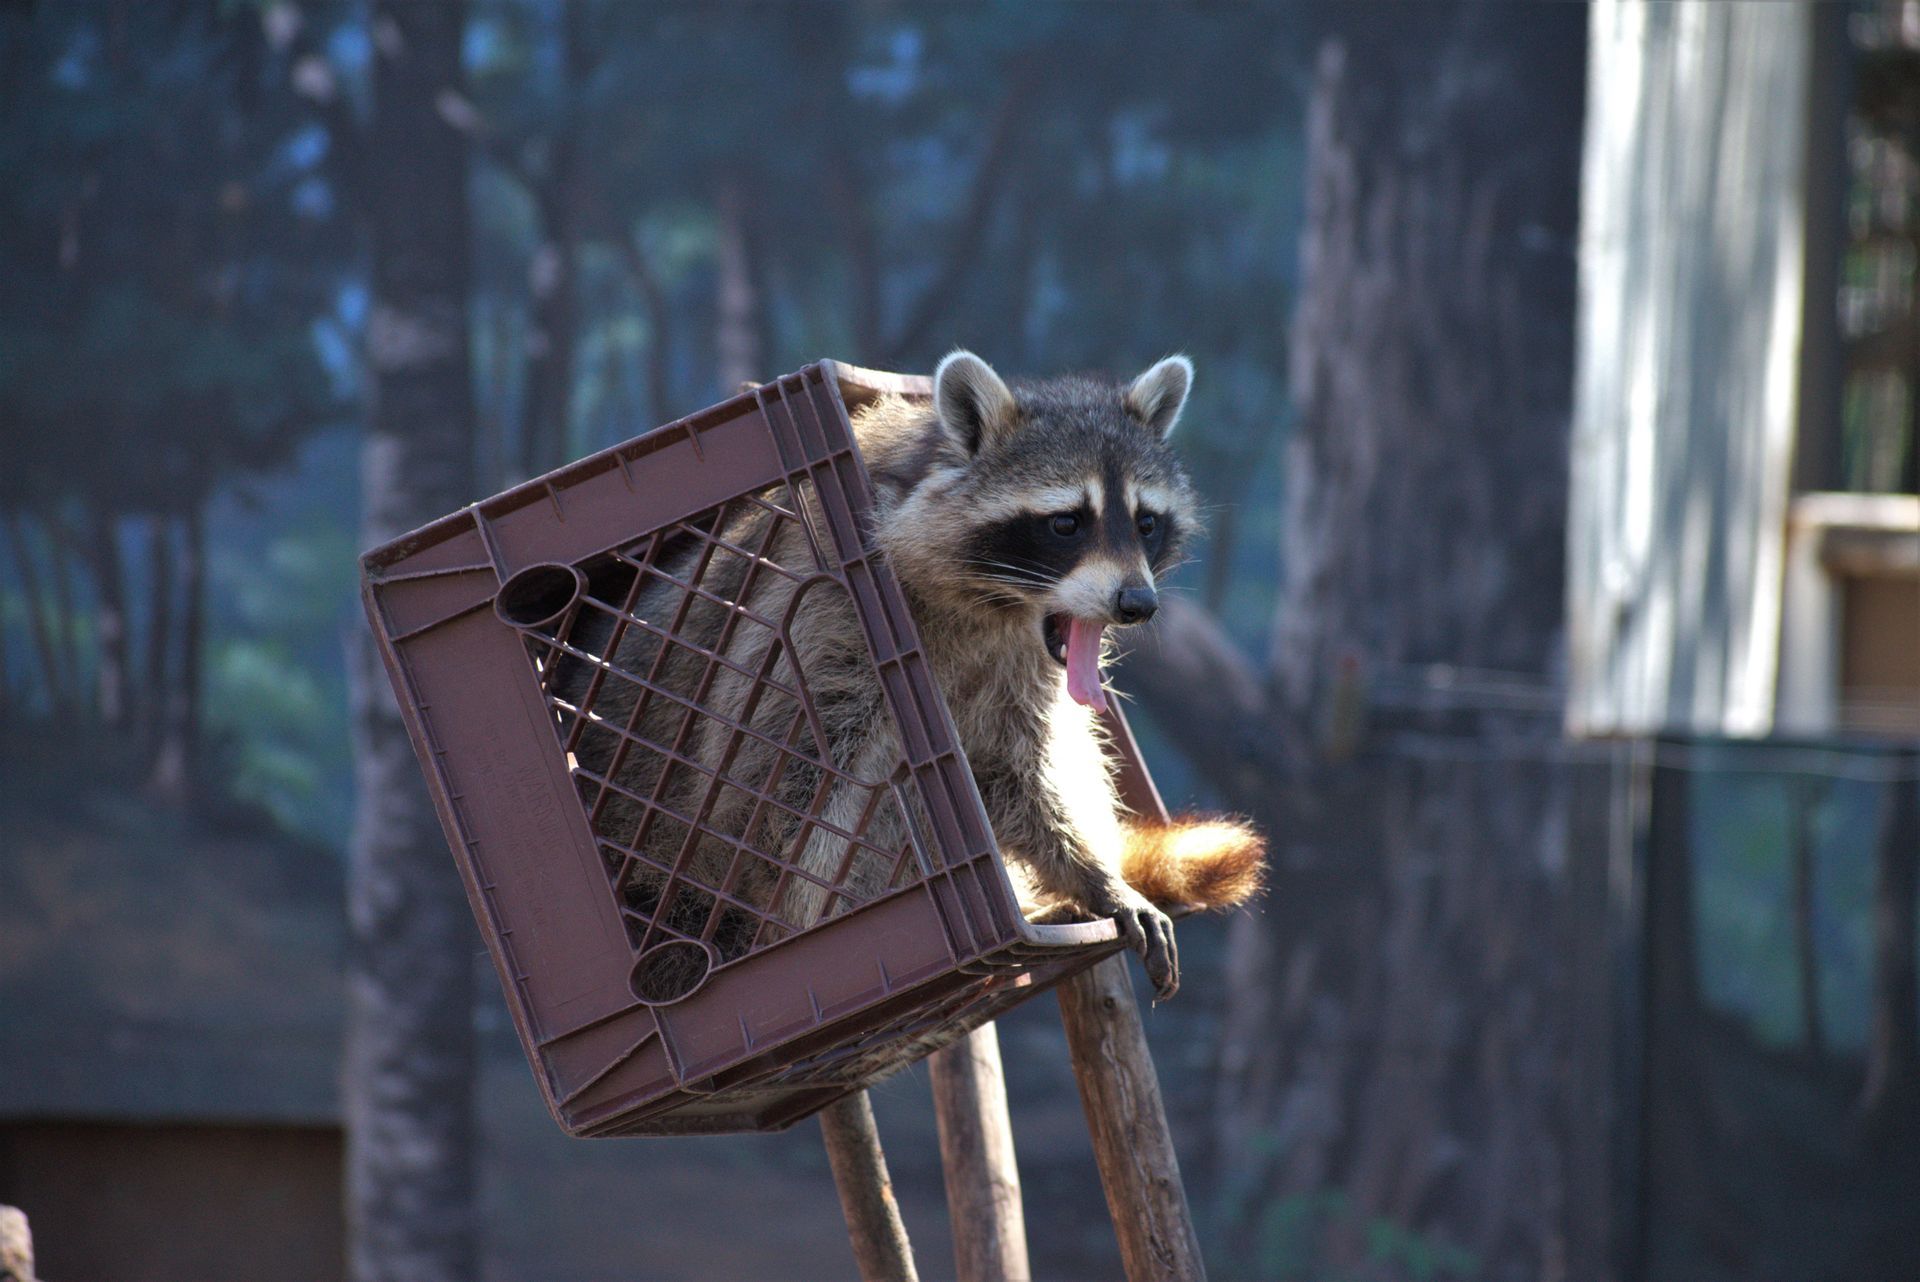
(1020, 521)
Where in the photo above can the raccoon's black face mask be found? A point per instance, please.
(1069, 501)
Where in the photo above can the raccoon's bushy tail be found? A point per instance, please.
(1194, 861)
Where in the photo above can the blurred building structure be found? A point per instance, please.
(1744, 620)
(169, 1040)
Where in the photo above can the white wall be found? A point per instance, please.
(1691, 263)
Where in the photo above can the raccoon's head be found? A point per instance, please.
(1055, 502)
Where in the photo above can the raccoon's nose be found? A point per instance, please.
(1135, 605)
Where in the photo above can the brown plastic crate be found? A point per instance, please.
(594, 932)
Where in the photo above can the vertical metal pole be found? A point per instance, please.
(1121, 1095)
(878, 1234)
(976, 1155)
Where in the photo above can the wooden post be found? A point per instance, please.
(879, 1236)
(976, 1154)
(1121, 1095)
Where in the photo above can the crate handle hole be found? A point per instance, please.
(540, 596)
(670, 972)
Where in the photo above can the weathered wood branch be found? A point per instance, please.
(1120, 1093)
(879, 1236)
(976, 1155)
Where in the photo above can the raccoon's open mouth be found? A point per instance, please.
(1053, 630)
(1074, 644)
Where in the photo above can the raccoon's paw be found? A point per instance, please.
(1144, 929)
(1148, 931)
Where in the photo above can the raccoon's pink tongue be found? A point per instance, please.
(1083, 663)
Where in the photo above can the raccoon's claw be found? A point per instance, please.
(1148, 931)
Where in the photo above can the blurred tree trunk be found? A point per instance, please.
(739, 341)
(110, 582)
(1413, 1011)
(659, 310)
(408, 1085)
(35, 606)
(175, 760)
(1891, 1097)
(653, 297)
(159, 626)
(1396, 1044)
(554, 279)
(6, 677)
(60, 574)
(193, 635)
(554, 274)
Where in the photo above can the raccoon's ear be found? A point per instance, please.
(1157, 396)
(973, 402)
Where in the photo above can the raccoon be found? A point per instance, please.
(1023, 522)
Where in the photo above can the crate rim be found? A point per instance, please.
(858, 385)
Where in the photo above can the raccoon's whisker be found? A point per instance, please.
(1032, 572)
(1025, 576)
(1169, 569)
(1008, 582)
(1028, 567)
(999, 565)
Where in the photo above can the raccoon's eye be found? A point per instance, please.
(1065, 524)
(1148, 523)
